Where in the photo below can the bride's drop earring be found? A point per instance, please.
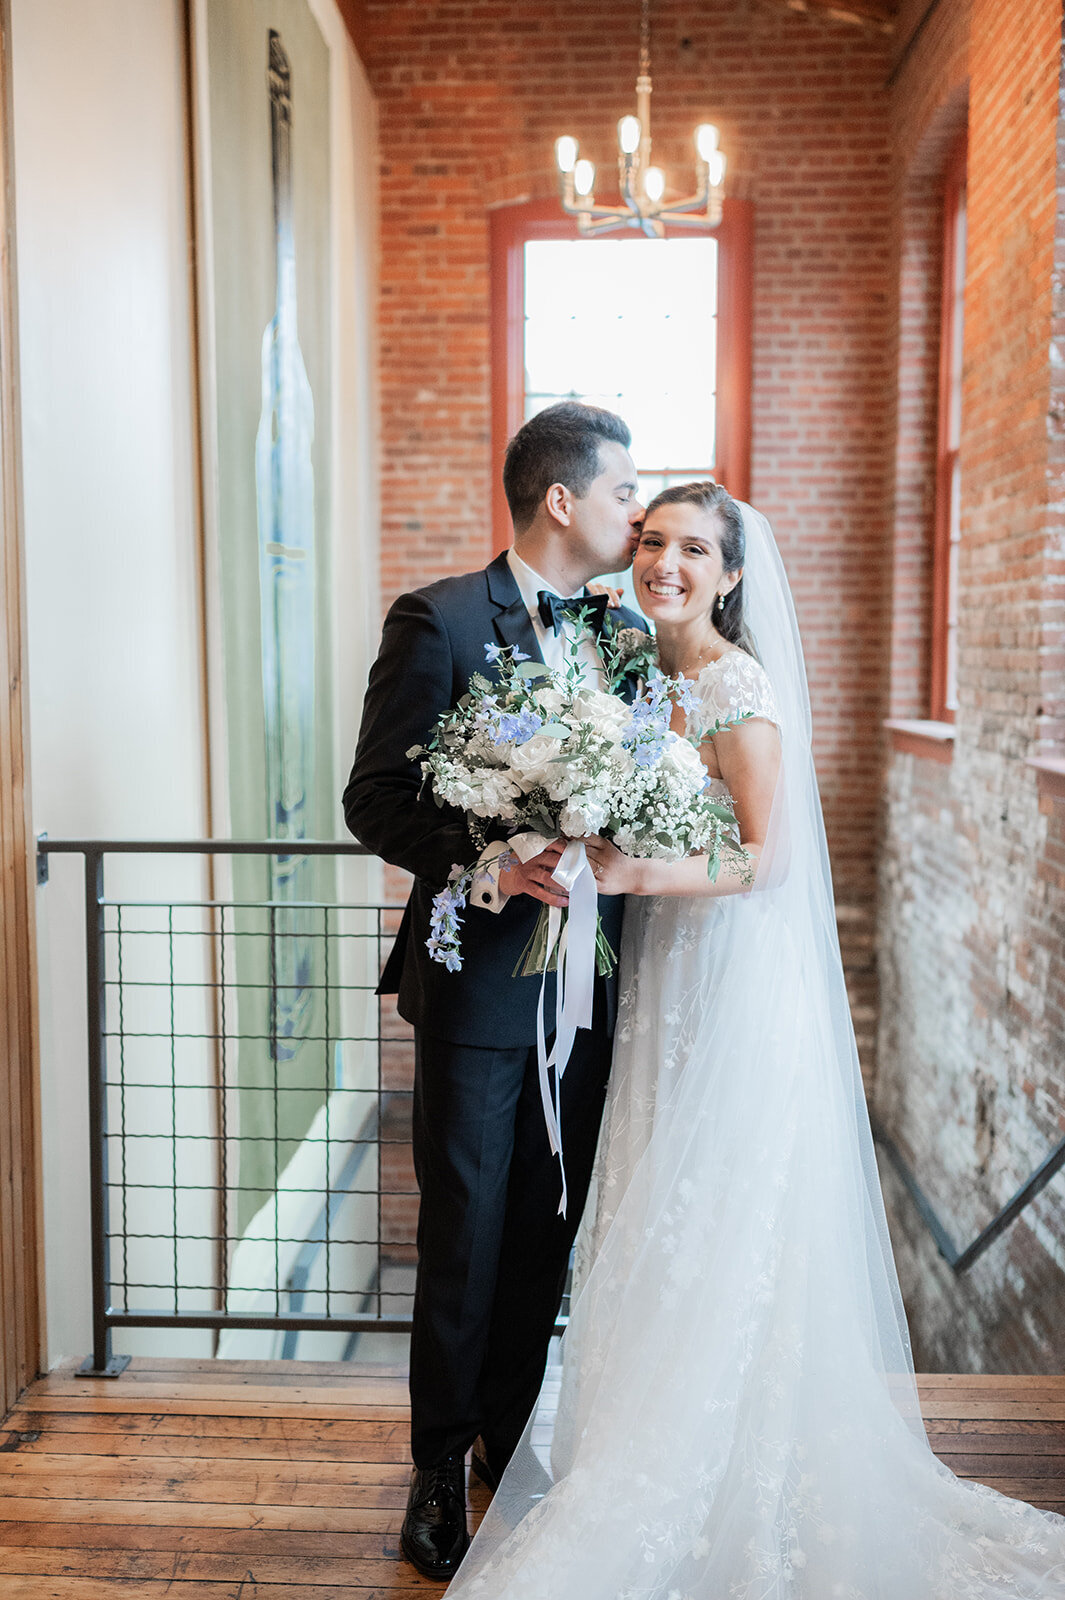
(721, 602)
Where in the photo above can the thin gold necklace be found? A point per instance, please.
(687, 672)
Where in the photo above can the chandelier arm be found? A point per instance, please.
(628, 194)
(618, 221)
(695, 202)
(703, 222)
(597, 211)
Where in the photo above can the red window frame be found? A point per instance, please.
(511, 227)
(947, 440)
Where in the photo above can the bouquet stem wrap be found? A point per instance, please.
(575, 939)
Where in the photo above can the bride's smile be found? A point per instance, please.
(680, 580)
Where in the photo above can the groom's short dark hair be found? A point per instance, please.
(558, 445)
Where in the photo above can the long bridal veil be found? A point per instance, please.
(734, 1413)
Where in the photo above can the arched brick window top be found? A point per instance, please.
(512, 227)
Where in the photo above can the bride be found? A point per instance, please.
(736, 1414)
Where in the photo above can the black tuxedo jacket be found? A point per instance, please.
(433, 641)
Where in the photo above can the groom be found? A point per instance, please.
(492, 1250)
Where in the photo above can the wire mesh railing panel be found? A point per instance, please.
(250, 1104)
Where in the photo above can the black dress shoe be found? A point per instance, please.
(434, 1537)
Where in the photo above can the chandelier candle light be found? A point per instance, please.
(642, 185)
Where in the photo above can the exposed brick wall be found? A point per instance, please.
(471, 94)
(972, 1067)
(844, 164)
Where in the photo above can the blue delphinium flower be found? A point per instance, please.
(444, 920)
(516, 726)
(647, 752)
(495, 652)
(686, 697)
(650, 715)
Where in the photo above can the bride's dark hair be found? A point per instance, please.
(710, 497)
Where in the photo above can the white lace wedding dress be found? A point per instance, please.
(736, 1414)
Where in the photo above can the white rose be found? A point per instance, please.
(549, 700)
(532, 761)
(682, 756)
(605, 712)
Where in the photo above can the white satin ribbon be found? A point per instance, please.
(574, 985)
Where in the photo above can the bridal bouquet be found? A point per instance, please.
(537, 750)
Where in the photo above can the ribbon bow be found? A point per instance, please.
(554, 610)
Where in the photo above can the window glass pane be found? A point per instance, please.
(631, 325)
(948, 515)
(951, 693)
(956, 326)
(957, 330)
(952, 669)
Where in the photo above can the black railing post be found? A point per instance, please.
(101, 1364)
(1013, 1208)
(960, 1261)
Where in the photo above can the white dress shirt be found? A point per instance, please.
(484, 889)
(553, 645)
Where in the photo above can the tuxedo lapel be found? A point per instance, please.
(512, 623)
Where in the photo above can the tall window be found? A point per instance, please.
(655, 329)
(629, 326)
(948, 467)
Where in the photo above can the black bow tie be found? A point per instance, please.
(554, 611)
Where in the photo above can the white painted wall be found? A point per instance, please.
(117, 743)
(117, 729)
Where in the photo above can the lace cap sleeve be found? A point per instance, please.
(735, 685)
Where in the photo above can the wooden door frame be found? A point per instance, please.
(21, 1285)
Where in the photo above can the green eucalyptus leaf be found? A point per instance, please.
(722, 813)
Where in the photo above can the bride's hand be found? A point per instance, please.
(614, 872)
(614, 596)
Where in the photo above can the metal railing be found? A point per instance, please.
(960, 1260)
(249, 1104)
(249, 1108)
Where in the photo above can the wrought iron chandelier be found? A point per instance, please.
(642, 185)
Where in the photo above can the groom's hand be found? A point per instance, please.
(614, 597)
(533, 877)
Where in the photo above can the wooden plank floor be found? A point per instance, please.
(286, 1480)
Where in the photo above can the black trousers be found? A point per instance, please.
(492, 1250)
